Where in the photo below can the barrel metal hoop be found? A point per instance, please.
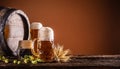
(5, 47)
(2, 12)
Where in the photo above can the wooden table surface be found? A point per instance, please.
(77, 62)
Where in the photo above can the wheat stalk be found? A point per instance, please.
(60, 54)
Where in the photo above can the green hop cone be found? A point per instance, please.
(39, 60)
(3, 58)
(26, 60)
(15, 61)
(18, 62)
(31, 58)
(26, 56)
(34, 62)
(6, 61)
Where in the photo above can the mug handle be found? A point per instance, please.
(36, 52)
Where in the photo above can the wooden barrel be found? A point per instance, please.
(14, 26)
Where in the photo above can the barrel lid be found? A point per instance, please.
(3, 42)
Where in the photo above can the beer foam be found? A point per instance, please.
(36, 25)
(46, 34)
(25, 44)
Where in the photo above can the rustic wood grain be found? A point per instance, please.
(77, 62)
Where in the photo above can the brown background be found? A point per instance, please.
(85, 26)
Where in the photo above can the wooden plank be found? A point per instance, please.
(91, 61)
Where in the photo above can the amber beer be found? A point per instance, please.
(35, 27)
(46, 35)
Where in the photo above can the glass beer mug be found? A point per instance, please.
(46, 36)
(25, 48)
(35, 27)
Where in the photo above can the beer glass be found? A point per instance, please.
(35, 27)
(25, 47)
(46, 36)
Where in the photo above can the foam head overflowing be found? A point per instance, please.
(46, 34)
(36, 25)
